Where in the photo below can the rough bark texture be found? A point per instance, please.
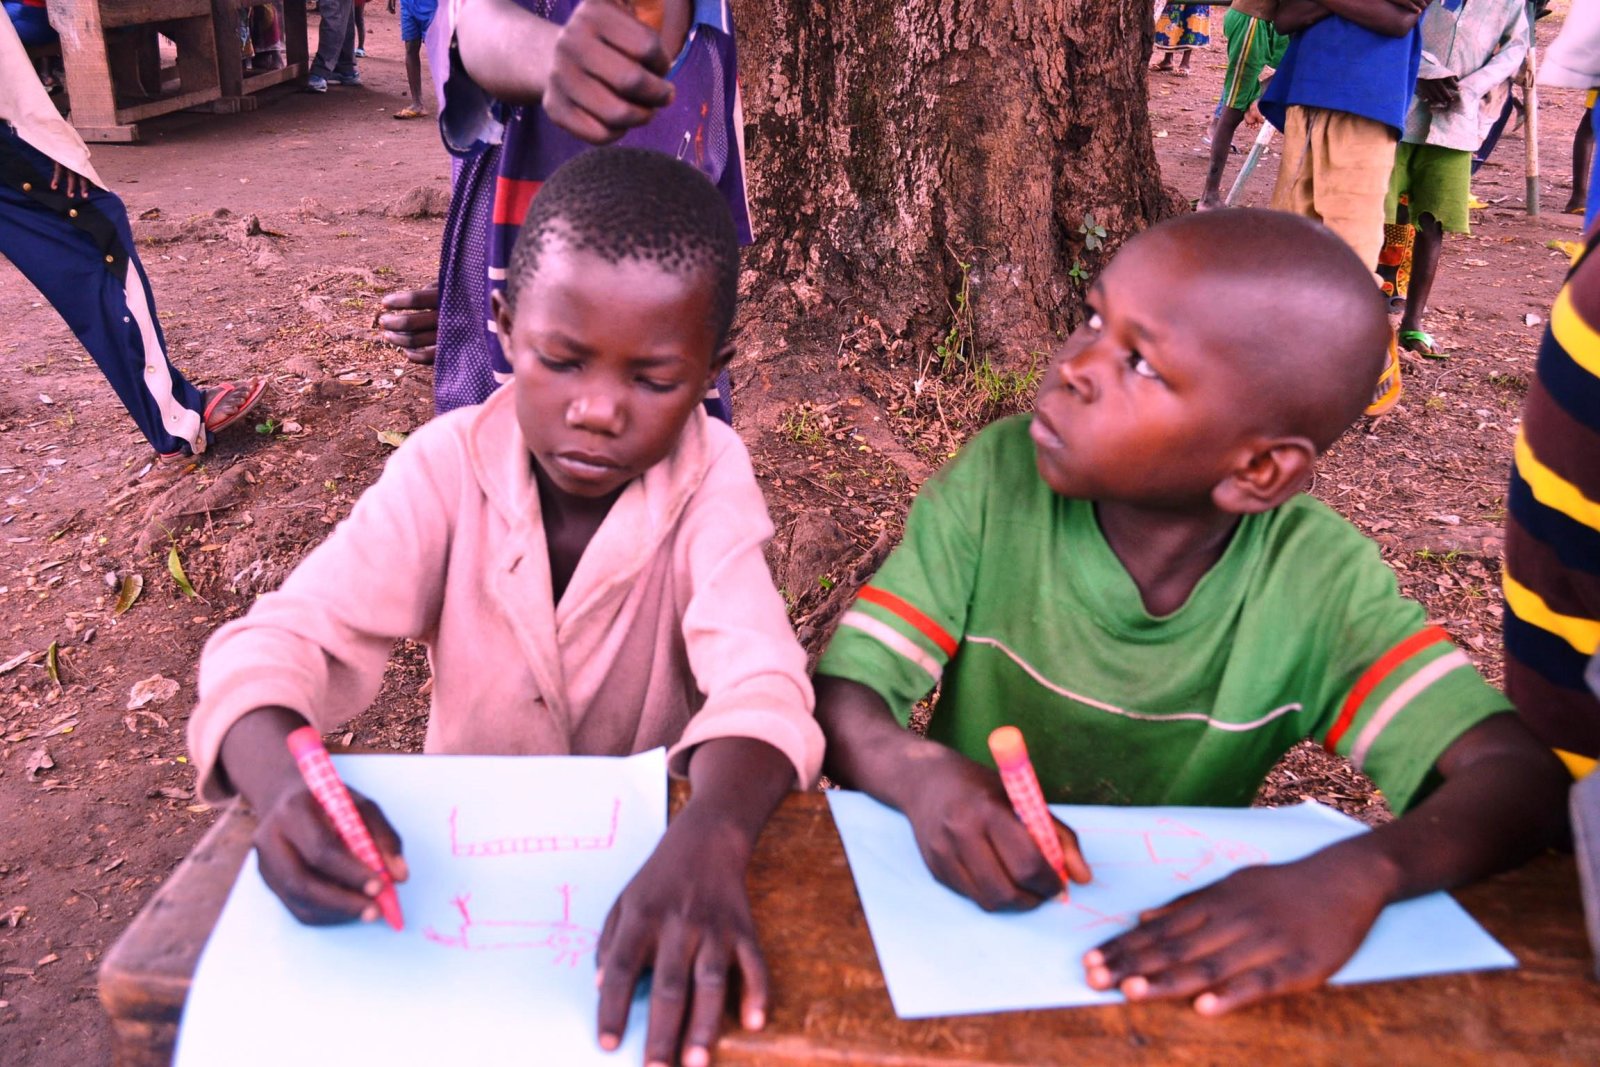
(891, 141)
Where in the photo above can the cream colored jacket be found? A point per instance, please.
(26, 104)
(670, 633)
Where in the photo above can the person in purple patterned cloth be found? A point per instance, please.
(542, 81)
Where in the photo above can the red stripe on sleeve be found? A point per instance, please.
(1374, 676)
(926, 626)
(511, 199)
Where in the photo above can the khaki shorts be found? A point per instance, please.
(1335, 169)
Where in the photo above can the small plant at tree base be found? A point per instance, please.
(825, 583)
(956, 348)
(1094, 234)
(1007, 389)
(1079, 276)
(270, 427)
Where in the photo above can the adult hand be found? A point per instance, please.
(70, 184)
(1439, 94)
(304, 861)
(685, 918)
(1260, 931)
(973, 842)
(608, 73)
(411, 321)
(1253, 117)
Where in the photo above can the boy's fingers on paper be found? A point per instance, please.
(383, 835)
(710, 999)
(1032, 879)
(309, 898)
(1252, 985)
(621, 963)
(669, 993)
(1077, 867)
(756, 984)
(1184, 966)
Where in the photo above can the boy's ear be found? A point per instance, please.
(501, 310)
(1270, 473)
(719, 360)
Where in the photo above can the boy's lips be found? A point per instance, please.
(585, 465)
(1044, 435)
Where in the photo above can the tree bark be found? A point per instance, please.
(901, 150)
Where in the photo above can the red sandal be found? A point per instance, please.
(253, 389)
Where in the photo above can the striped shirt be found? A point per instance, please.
(1009, 599)
(1552, 570)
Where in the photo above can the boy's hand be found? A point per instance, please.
(685, 918)
(70, 183)
(973, 841)
(1260, 931)
(410, 320)
(1439, 94)
(608, 73)
(303, 860)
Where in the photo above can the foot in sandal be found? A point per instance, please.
(229, 402)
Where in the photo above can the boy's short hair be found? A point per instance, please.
(634, 204)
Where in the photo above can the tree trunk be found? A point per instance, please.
(904, 152)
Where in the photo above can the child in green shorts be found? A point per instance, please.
(1254, 44)
(1133, 576)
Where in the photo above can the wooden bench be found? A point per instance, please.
(830, 1005)
(237, 83)
(115, 77)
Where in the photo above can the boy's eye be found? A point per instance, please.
(557, 365)
(1094, 322)
(1141, 366)
(656, 386)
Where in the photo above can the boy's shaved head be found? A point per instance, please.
(633, 204)
(1287, 305)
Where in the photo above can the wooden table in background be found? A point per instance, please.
(830, 1004)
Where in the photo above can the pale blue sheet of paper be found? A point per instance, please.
(943, 955)
(515, 985)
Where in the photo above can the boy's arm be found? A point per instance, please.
(1266, 930)
(685, 917)
(966, 829)
(1392, 18)
(1503, 64)
(1295, 15)
(597, 76)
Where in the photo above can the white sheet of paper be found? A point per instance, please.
(943, 955)
(515, 862)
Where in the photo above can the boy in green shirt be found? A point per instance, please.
(1133, 577)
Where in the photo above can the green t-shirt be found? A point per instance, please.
(1009, 597)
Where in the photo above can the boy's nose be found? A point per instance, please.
(1077, 378)
(596, 412)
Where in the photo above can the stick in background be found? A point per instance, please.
(1257, 150)
(305, 745)
(1022, 786)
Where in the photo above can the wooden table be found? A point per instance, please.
(830, 1004)
(115, 79)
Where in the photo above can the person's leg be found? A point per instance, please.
(1221, 145)
(1582, 158)
(358, 15)
(86, 267)
(414, 72)
(335, 25)
(346, 68)
(1424, 269)
(1352, 161)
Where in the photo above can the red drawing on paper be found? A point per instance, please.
(1183, 851)
(566, 939)
(513, 846)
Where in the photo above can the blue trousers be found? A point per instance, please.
(79, 253)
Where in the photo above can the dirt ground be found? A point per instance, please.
(268, 237)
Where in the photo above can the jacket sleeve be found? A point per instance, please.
(320, 644)
(746, 661)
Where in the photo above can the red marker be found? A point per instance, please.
(1022, 786)
(305, 745)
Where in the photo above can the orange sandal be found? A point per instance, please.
(1387, 392)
